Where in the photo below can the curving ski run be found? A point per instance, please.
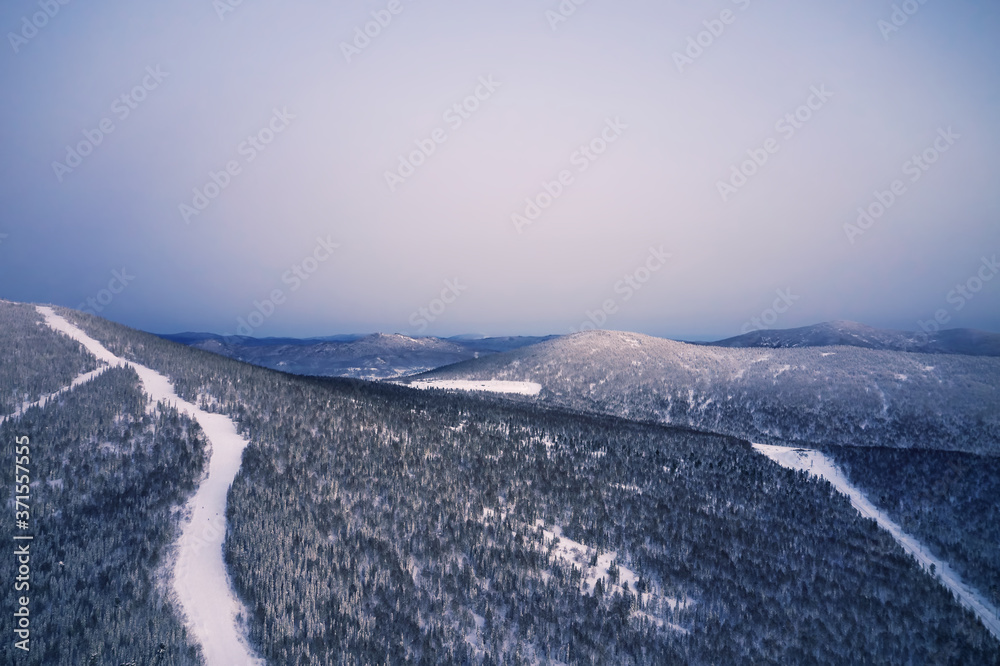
(820, 465)
(200, 579)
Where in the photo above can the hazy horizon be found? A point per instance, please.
(514, 168)
(479, 334)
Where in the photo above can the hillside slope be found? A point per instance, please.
(829, 395)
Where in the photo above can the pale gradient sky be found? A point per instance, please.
(655, 186)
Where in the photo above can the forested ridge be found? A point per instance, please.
(360, 534)
(108, 477)
(844, 396)
(36, 361)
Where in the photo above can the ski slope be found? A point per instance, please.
(820, 465)
(200, 579)
(45, 399)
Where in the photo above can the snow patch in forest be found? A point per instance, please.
(819, 464)
(491, 385)
(579, 555)
(212, 610)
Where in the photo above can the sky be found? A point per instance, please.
(683, 169)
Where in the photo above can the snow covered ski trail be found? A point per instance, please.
(821, 465)
(45, 399)
(200, 579)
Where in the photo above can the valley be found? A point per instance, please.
(374, 357)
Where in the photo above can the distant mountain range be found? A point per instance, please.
(389, 356)
(852, 334)
(377, 356)
(830, 395)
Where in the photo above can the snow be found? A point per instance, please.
(491, 385)
(549, 445)
(576, 554)
(820, 465)
(200, 578)
(579, 555)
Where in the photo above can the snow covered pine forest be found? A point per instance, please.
(188, 508)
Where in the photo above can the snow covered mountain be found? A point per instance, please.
(848, 333)
(817, 395)
(388, 356)
(377, 356)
